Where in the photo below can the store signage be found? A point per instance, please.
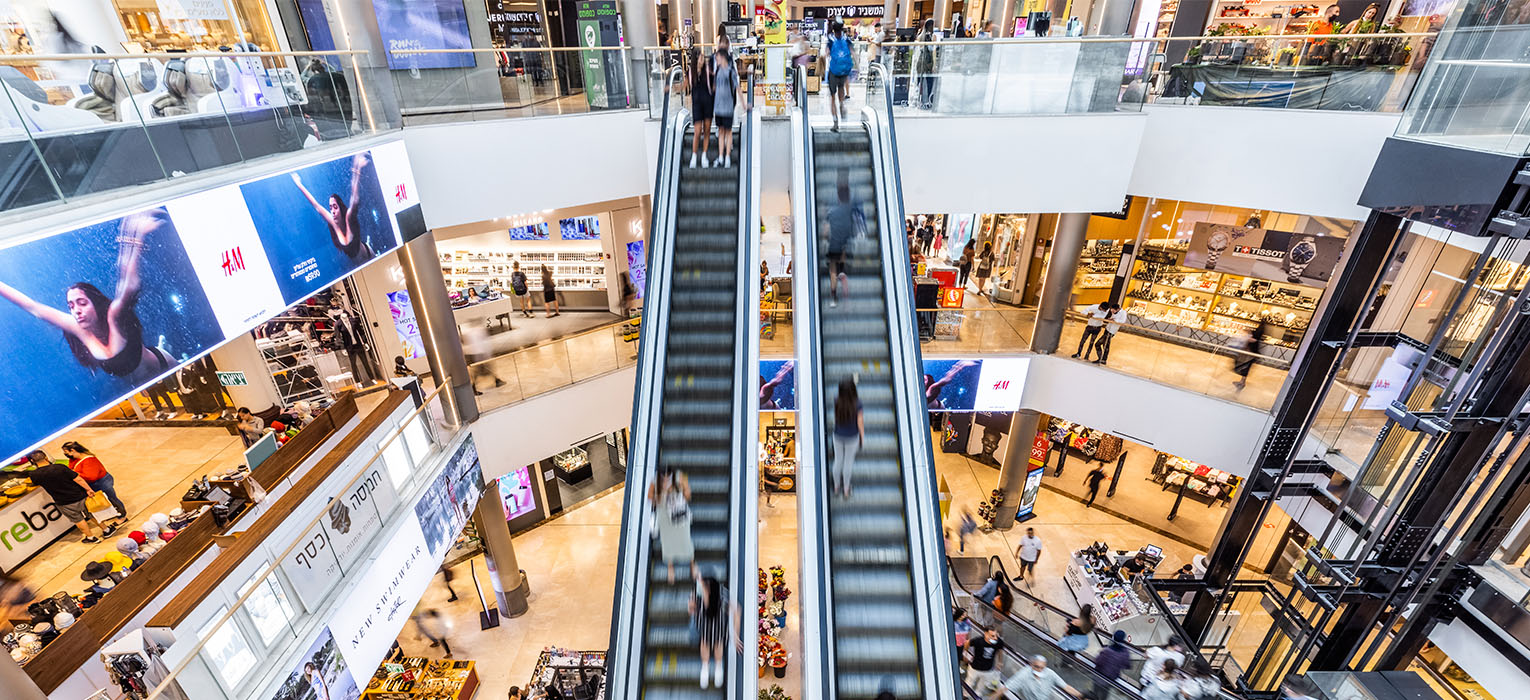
(321, 666)
(1295, 258)
(405, 324)
(600, 26)
(1036, 467)
(424, 24)
(1001, 381)
(344, 531)
(1126, 206)
(204, 268)
(28, 525)
(844, 12)
(637, 267)
(1156, 254)
(951, 385)
(233, 379)
(449, 502)
(192, 9)
(382, 598)
(952, 297)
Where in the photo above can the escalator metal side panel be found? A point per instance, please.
(814, 607)
(927, 543)
(629, 612)
(745, 552)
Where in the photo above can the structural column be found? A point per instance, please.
(905, 14)
(943, 16)
(640, 29)
(242, 354)
(1057, 281)
(998, 11)
(1022, 430)
(679, 12)
(510, 587)
(438, 327)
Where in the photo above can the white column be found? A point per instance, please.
(241, 354)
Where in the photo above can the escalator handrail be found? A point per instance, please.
(997, 564)
(743, 534)
(624, 662)
(815, 606)
(939, 669)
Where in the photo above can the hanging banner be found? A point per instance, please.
(600, 25)
(424, 24)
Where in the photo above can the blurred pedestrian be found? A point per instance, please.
(479, 350)
(446, 580)
(990, 589)
(846, 220)
(434, 626)
(963, 628)
(712, 610)
(841, 63)
(964, 264)
(1199, 682)
(924, 64)
(670, 496)
(549, 294)
(699, 77)
(1163, 684)
(1157, 657)
(1114, 317)
(1092, 483)
(1035, 682)
(984, 267)
(1243, 358)
(1028, 552)
(1110, 662)
(1076, 636)
(849, 435)
(969, 525)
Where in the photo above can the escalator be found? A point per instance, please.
(693, 414)
(873, 579)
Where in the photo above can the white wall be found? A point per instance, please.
(473, 171)
(1068, 163)
(1291, 160)
(1210, 431)
(1478, 658)
(517, 435)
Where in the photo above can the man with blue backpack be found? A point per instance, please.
(841, 63)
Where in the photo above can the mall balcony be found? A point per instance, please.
(1101, 168)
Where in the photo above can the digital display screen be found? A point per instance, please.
(529, 232)
(580, 228)
(518, 493)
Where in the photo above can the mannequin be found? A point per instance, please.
(348, 339)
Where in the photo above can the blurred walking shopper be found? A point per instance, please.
(1076, 637)
(983, 660)
(1092, 327)
(1110, 662)
(549, 294)
(1092, 483)
(964, 263)
(713, 611)
(1028, 551)
(1199, 682)
(968, 526)
(846, 220)
(670, 497)
(1243, 361)
(479, 350)
(1158, 657)
(849, 435)
(1035, 682)
(725, 95)
(841, 63)
(434, 626)
(1162, 684)
(699, 77)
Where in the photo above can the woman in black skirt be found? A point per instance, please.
(699, 75)
(549, 294)
(711, 610)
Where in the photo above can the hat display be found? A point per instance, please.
(96, 570)
(138, 536)
(63, 621)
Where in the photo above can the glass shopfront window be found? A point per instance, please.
(156, 25)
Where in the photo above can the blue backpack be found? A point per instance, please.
(840, 60)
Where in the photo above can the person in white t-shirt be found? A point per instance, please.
(1101, 347)
(1152, 668)
(1028, 552)
(1093, 326)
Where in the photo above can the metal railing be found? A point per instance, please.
(553, 364)
(73, 125)
(500, 83)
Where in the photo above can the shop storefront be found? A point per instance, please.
(138, 26)
(778, 426)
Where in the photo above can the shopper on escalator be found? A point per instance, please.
(725, 94)
(849, 435)
(845, 220)
(713, 610)
(841, 62)
(1110, 662)
(983, 664)
(1158, 657)
(1035, 682)
(699, 78)
(1162, 685)
(1076, 636)
(670, 497)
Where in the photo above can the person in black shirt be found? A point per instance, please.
(983, 669)
(1092, 482)
(1134, 566)
(68, 491)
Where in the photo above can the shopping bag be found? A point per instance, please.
(101, 507)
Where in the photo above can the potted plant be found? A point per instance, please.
(774, 693)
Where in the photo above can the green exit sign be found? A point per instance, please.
(232, 379)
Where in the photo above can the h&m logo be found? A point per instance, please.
(1001, 385)
(233, 261)
(401, 193)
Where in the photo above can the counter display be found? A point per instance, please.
(1119, 604)
(567, 669)
(29, 522)
(415, 678)
(573, 465)
(1201, 483)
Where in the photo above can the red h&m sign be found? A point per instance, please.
(233, 261)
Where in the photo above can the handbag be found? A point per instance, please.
(100, 507)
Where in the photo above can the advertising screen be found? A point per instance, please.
(529, 232)
(91, 315)
(1000, 383)
(579, 228)
(1296, 258)
(424, 24)
(518, 493)
(951, 385)
(320, 674)
(778, 385)
(320, 222)
(405, 324)
(449, 502)
(637, 267)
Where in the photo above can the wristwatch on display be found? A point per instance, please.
(1214, 246)
(1299, 257)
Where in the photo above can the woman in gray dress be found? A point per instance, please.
(670, 496)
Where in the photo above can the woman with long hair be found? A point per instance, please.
(549, 294)
(698, 75)
(1076, 638)
(712, 610)
(342, 219)
(104, 332)
(725, 95)
(849, 434)
(984, 266)
(670, 497)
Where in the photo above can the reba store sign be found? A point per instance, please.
(28, 525)
(379, 603)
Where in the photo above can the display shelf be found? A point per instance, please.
(572, 269)
(567, 669)
(291, 362)
(415, 678)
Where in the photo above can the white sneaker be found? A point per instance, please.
(704, 675)
(718, 163)
(705, 163)
(717, 678)
(728, 161)
(693, 160)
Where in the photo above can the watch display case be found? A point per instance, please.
(416, 678)
(573, 465)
